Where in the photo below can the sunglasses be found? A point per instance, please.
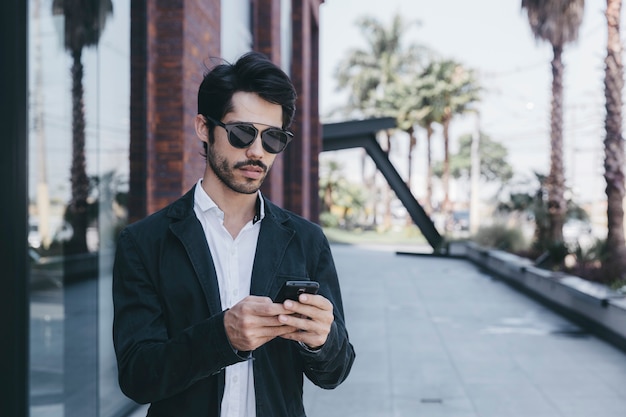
(241, 135)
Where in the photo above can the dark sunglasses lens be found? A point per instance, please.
(241, 136)
(274, 140)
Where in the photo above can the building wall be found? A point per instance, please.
(302, 160)
(170, 52)
(266, 26)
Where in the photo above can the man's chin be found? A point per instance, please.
(250, 187)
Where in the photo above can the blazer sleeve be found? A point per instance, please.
(329, 366)
(152, 364)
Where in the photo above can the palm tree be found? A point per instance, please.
(370, 73)
(614, 265)
(494, 166)
(367, 73)
(415, 102)
(442, 90)
(458, 92)
(557, 22)
(399, 102)
(84, 23)
(329, 181)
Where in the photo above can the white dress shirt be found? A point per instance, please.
(233, 259)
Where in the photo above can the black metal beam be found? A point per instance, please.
(335, 134)
(14, 209)
(362, 133)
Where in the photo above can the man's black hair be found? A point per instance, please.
(253, 72)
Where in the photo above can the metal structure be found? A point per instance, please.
(362, 134)
(14, 308)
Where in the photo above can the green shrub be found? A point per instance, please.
(500, 237)
(328, 219)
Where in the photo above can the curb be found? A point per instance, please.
(595, 306)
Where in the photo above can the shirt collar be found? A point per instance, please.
(206, 203)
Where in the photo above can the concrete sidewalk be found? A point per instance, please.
(437, 337)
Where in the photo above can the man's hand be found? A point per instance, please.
(312, 317)
(254, 321)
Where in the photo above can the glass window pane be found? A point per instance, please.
(78, 172)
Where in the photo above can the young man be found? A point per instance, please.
(195, 330)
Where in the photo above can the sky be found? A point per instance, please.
(493, 38)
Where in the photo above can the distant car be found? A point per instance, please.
(460, 220)
(34, 238)
(578, 232)
(64, 232)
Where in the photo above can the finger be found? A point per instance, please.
(261, 306)
(322, 310)
(269, 333)
(300, 323)
(250, 339)
(248, 323)
(305, 324)
(317, 300)
(247, 326)
(312, 340)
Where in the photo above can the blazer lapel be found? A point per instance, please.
(189, 231)
(273, 240)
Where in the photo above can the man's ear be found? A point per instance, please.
(201, 128)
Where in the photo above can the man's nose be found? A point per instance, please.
(255, 150)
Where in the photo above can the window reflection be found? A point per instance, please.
(78, 172)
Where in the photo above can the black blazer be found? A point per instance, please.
(168, 327)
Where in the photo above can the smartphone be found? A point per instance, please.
(292, 289)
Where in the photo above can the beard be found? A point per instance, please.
(226, 173)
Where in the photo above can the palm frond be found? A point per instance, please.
(555, 21)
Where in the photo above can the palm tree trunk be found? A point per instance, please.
(429, 171)
(327, 201)
(77, 209)
(556, 179)
(412, 143)
(446, 171)
(370, 184)
(615, 263)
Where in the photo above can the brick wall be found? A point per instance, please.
(171, 43)
(201, 44)
(302, 156)
(266, 33)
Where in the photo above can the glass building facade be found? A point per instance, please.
(78, 147)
